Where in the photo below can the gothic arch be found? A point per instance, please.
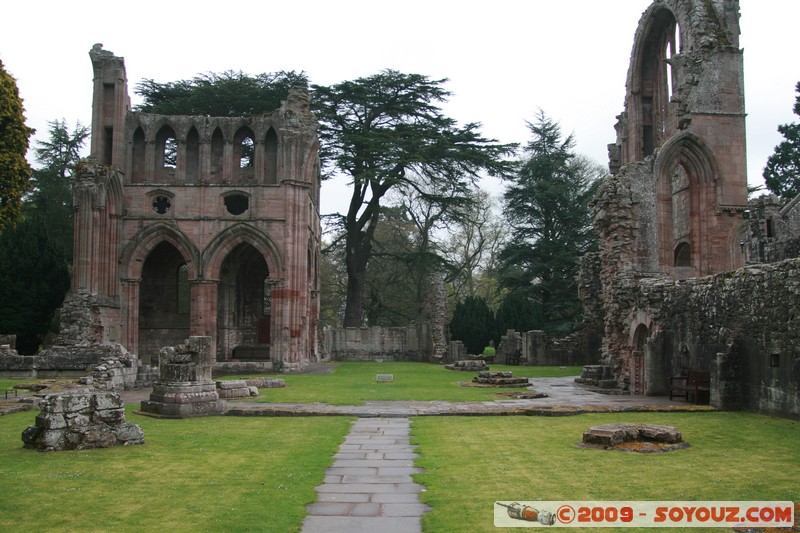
(687, 184)
(689, 150)
(650, 79)
(224, 243)
(145, 241)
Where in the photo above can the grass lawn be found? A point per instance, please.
(471, 462)
(354, 383)
(200, 474)
(257, 474)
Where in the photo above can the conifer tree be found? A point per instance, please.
(34, 278)
(14, 134)
(782, 172)
(547, 207)
(472, 324)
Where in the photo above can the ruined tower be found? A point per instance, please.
(199, 226)
(672, 208)
(681, 138)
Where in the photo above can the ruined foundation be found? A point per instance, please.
(641, 438)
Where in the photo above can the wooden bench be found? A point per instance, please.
(694, 383)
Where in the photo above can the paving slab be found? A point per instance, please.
(561, 396)
(371, 493)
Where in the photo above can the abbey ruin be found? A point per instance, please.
(190, 226)
(683, 280)
(209, 226)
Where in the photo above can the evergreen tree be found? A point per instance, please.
(547, 207)
(472, 324)
(519, 312)
(223, 94)
(386, 132)
(782, 172)
(14, 169)
(34, 278)
(51, 197)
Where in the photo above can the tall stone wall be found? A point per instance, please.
(741, 326)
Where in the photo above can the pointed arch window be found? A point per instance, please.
(683, 255)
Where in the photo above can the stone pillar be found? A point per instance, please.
(203, 310)
(259, 162)
(184, 387)
(130, 316)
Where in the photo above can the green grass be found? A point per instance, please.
(257, 474)
(354, 383)
(471, 462)
(8, 383)
(200, 474)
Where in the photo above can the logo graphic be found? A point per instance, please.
(518, 511)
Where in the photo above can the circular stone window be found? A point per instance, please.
(161, 204)
(236, 204)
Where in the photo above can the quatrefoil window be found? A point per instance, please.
(161, 204)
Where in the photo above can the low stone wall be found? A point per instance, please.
(225, 368)
(537, 348)
(413, 343)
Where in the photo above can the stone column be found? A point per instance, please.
(130, 316)
(203, 310)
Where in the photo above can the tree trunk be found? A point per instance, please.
(354, 303)
(357, 252)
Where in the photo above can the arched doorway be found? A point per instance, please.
(244, 306)
(638, 356)
(164, 303)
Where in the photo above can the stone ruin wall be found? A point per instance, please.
(412, 343)
(741, 326)
(679, 176)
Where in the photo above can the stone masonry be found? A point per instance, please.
(675, 227)
(197, 226)
(185, 388)
(81, 418)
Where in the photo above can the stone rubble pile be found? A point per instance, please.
(468, 365)
(81, 418)
(610, 435)
(500, 379)
(235, 388)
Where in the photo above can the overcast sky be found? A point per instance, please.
(504, 59)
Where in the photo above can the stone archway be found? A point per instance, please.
(164, 303)
(244, 306)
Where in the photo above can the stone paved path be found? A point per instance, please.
(563, 396)
(369, 487)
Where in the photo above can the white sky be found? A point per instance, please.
(504, 58)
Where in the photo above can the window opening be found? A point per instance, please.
(683, 255)
(170, 152)
(267, 303)
(161, 204)
(236, 204)
(247, 152)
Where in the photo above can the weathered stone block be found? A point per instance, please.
(77, 424)
(50, 421)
